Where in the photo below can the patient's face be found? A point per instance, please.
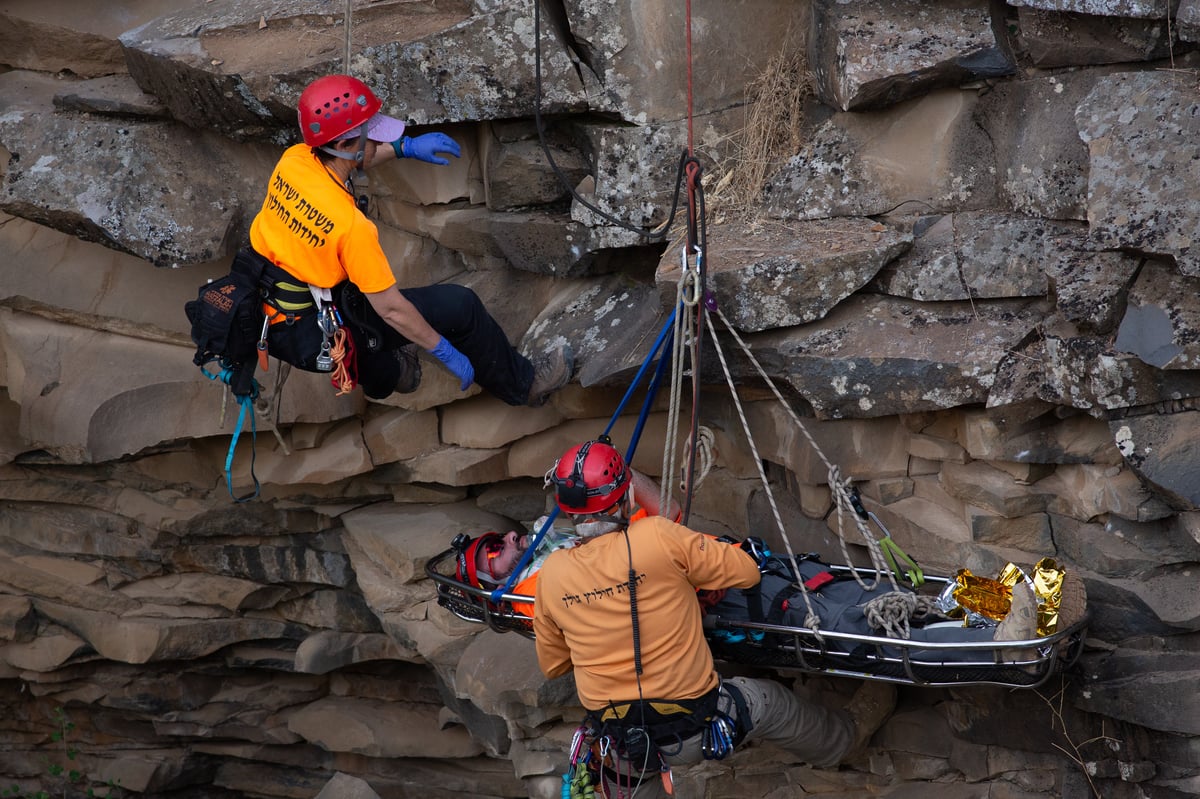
(497, 559)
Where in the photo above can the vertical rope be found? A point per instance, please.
(346, 58)
(691, 150)
(683, 332)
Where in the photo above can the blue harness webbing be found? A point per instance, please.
(246, 407)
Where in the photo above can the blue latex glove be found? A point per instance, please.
(426, 147)
(455, 361)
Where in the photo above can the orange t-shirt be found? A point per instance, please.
(582, 611)
(310, 226)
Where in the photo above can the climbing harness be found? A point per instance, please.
(624, 743)
(254, 296)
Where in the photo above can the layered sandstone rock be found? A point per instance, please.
(972, 285)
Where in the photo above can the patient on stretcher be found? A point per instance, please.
(830, 601)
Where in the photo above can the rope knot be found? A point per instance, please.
(893, 611)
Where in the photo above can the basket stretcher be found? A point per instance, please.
(1016, 664)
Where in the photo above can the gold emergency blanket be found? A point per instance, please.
(972, 595)
(981, 595)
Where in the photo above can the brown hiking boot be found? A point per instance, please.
(385, 372)
(1020, 624)
(1072, 605)
(870, 706)
(551, 371)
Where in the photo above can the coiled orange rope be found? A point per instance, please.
(343, 358)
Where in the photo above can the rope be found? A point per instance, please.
(686, 296)
(688, 13)
(262, 407)
(812, 619)
(840, 488)
(705, 444)
(224, 403)
(892, 612)
(342, 353)
(349, 18)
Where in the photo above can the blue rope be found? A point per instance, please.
(664, 335)
(651, 393)
(246, 405)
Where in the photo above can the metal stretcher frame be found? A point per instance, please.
(804, 650)
(477, 604)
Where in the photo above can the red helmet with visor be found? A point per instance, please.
(334, 105)
(466, 568)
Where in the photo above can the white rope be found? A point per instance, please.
(262, 406)
(705, 445)
(838, 486)
(812, 619)
(683, 335)
(892, 612)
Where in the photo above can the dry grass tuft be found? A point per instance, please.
(773, 132)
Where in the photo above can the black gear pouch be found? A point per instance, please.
(227, 319)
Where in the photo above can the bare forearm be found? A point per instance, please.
(383, 152)
(395, 309)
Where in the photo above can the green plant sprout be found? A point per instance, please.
(67, 780)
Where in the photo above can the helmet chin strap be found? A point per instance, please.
(358, 156)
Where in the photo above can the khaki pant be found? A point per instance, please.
(817, 735)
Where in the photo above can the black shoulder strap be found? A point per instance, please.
(780, 603)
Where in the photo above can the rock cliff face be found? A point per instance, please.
(971, 274)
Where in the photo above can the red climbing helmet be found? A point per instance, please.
(590, 477)
(465, 570)
(333, 105)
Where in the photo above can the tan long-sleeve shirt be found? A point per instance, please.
(582, 613)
